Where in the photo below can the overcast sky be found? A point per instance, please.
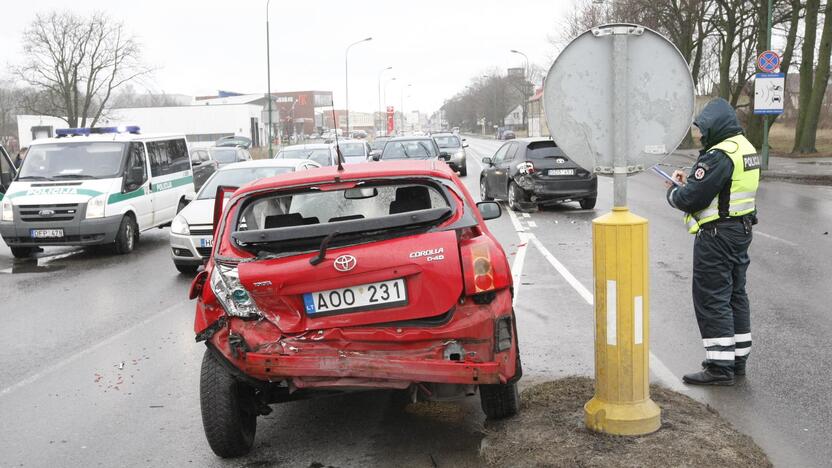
(201, 46)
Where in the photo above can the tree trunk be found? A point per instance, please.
(806, 65)
(812, 113)
(727, 52)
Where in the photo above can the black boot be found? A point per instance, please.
(709, 376)
(739, 368)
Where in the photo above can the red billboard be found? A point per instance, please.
(390, 113)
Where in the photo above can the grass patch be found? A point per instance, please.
(781, 139)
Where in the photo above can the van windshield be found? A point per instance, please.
(86, 160)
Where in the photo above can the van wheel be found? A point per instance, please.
(227, 416)
(186, 269)
(588, 203)
(22, 252)
(499, 400)
(128, 234)
(181, 206)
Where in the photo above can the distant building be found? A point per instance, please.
(514, 119)
(537, 118)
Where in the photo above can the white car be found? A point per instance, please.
(192, 231)
(355, 151)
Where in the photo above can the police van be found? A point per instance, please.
(94, 186)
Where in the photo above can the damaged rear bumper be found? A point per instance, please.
(463, 351)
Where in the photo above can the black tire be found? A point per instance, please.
(186, 269)
(127, 236)
(227, 417)
(484, 190)
(499, 401)
(515, 194)
(181, 206)
(22, 252)
(588, 203)
(463, 170)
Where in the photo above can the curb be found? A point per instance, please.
(808, 179)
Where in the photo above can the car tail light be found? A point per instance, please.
(483, 272)
(502, 333)
(526, 167)
(483, 268)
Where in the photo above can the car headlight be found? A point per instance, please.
(7, 213)
(95, 207)
(235, 299)
(180, 226)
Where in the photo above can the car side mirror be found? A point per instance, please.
(375, 157)
(445, 156)
(195, 161)
(465, 145)
(489, 210)
(486, 161)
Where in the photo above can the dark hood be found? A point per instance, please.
(717, 121)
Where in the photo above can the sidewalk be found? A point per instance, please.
(814, 171)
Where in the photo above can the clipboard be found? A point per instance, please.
(664, 175)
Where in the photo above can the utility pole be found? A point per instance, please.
(380, 108)
(269, 79)
(347, 78)
(765, 117)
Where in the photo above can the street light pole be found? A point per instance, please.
(269, 78)
(401, 111)
(380, 109)
(347, 78)
(525, 81)
(385, 96)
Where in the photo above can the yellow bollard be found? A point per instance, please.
(622, 404)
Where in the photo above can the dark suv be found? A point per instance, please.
(534, 172)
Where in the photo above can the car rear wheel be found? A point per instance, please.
(499, 400)
(128, 234)
(484, 190)
(515, 195)
(186, 269)
(227, 416)
(22, 252)
(588, 203)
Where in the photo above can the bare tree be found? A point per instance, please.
(810, 106)
(74, 64)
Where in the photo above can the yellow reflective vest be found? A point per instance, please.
(744, 182)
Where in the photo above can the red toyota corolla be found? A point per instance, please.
(378, 275)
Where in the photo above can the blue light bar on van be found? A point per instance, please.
(64, 132)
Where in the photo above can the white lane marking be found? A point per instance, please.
(612, 317)
(638, 307)
(517, 266)
(526, 215)
(769, 236)
(53, 368)
(576, 285)
(659, 369)
(532, 224)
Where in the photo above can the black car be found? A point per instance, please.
(405, 148)
(7, 171)
(203, 166)
(534, 172)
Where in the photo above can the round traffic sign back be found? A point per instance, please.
(768, 61)
(645, 120)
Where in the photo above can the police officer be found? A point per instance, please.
(718, 198)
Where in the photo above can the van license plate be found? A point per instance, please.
(561, 171)
(46, 233)
(383, 294)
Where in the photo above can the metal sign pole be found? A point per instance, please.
(619, 117)
(765, 117)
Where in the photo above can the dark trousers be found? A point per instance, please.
(720, 262)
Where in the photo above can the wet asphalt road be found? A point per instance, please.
(99, 367)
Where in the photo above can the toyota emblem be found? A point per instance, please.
(560, 160)
(345, 263)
